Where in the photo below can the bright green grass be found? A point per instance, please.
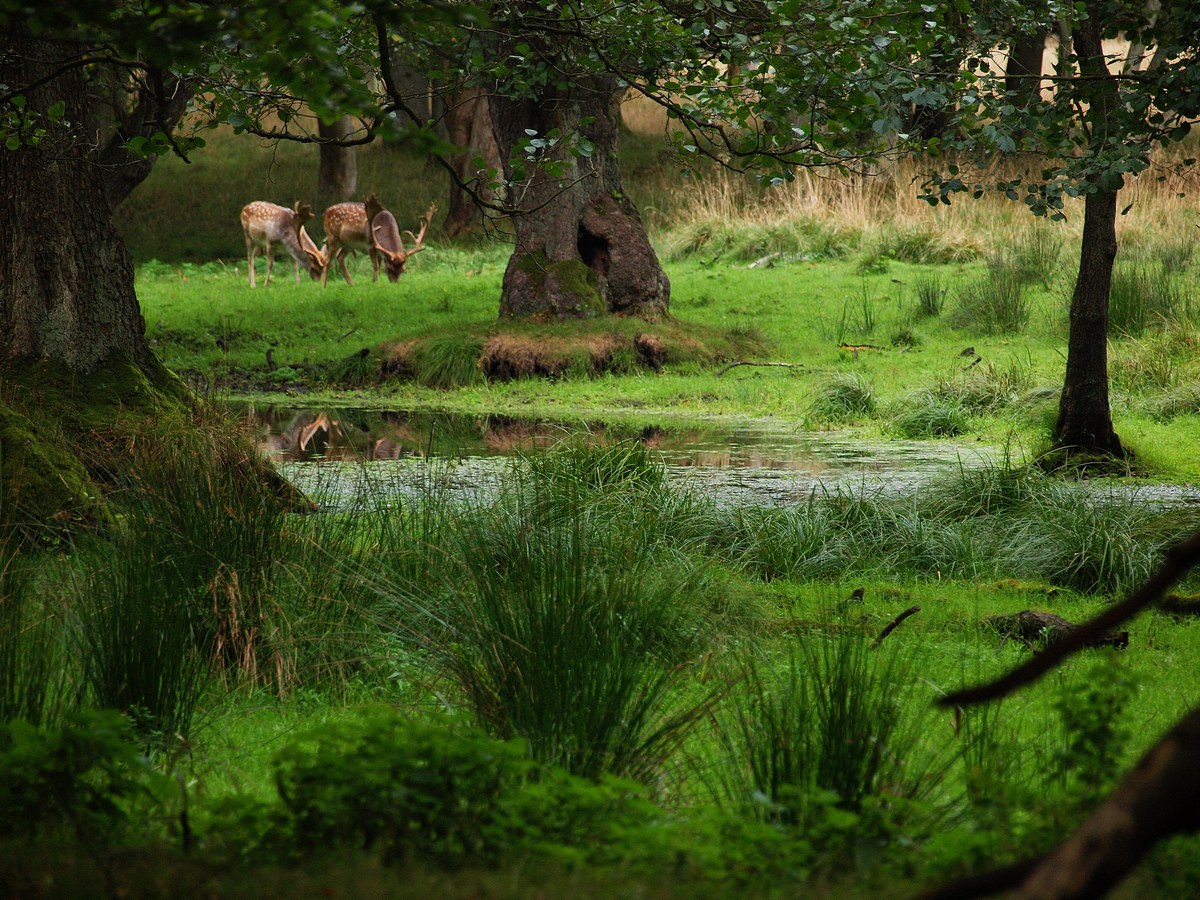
(207, 323)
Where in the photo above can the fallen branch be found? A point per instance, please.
(1179, 560)
(983, 884)
(741, 362)
(1159, 798)
(892, 625)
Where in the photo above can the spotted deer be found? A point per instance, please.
(346, 232)
(267, 225)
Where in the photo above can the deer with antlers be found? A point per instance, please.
(347, 231)
(386, 238)
(267, 225)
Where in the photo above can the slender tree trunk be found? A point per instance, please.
(469, 125)
(337, 174)
(581, 248)
(1084, 417)
(1024, 69)
(66, 280)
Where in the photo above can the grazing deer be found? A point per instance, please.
(386, 239)
(346, 232)
(266, 225)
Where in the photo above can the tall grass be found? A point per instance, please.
(140, 637)
(555, 616)
(827, 718)
(1144, 297)
(995, 303)
(31, 668)
(214, 515)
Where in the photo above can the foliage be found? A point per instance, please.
(83, 780)
(1095, 731)
(383, 782)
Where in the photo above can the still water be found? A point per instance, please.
(334, 453)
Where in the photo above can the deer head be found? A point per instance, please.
(387, 240)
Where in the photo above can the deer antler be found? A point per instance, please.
(419, 238)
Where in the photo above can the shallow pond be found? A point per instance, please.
(335, 454)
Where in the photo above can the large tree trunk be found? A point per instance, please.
(337, 174)
(1084, 417)
(581, 248)
(469, 125)
(66, 280)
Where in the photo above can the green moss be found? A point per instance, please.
(64, 436)
(45, 489)
(570, 283)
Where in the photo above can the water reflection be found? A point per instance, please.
(762, 462)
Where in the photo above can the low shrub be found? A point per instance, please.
(404, 788)
(83, 780)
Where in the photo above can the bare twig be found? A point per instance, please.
(893, 625)
(742, 362)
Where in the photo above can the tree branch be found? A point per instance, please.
(1179, 560)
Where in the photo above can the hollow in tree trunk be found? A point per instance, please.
(581, 248)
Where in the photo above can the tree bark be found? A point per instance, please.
(337, 173)
(469, 125)
(581, 248)
(66, 280)
(1084, 416)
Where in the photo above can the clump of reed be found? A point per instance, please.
(1143, 297)
(842, 399)
(822, 727)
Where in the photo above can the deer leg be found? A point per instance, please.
(342, 265)
(375, 263)
(251, 252)
(328, 266)
(270, 251)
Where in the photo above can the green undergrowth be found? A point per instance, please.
(582, 668)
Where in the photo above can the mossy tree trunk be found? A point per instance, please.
(581, 248)
(66, 280)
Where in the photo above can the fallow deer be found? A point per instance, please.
(386, 238)
(346, 232)
(266, 225)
